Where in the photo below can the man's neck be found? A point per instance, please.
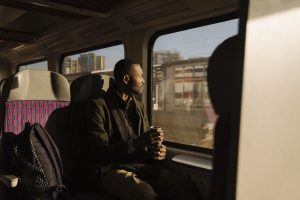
(123, 95)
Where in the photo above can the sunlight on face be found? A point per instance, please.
(136, 82)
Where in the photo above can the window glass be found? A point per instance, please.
(180, 103)
(92, 61)
(43, 65)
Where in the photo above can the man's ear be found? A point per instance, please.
(126, 79)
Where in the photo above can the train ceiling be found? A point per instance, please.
(67, 9)
(29, 28)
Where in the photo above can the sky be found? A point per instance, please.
(192, 43)
(197, 42)
(112, 55)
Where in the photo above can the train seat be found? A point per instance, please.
(84, 89)
(34, 96)
(44, 97)
(89, 87)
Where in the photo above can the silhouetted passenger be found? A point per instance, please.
(224, 74)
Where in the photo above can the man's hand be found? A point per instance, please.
(151, 138)
(159, 152)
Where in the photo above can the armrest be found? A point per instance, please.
(9, 180)
(193, 161)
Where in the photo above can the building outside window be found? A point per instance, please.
(181, 103)
(40, 65)
(99, 60)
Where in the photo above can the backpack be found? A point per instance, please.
(36, 161)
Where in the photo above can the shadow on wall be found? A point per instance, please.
(270, 7)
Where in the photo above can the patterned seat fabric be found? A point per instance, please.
(17, 113)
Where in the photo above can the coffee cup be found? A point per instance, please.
(154, 128)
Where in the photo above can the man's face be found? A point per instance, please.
(136, 81)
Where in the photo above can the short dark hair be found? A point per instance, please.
(122, 67)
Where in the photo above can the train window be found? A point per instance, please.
(102, 59)
(180, 99)
(42, 65)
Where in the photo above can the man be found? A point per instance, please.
(125, 152)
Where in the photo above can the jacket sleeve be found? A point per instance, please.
(98, 127)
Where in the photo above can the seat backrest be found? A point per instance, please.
(83, 90)
(89, 87)
(36, 85)
(32, 96)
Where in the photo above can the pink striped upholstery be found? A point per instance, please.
(17, 113)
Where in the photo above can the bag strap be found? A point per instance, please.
(62, 192)
(51, 149)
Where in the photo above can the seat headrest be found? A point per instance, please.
(223, 73)
(36, 85)
(89, 87)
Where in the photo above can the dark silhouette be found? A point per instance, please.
(224, 75)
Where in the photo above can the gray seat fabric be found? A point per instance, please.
(36, 85)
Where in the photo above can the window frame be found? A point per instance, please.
(87, 49)
(151, 43)
(32, 62)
